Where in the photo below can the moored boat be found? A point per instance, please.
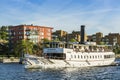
(74, 56)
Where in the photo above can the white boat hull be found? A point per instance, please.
(51, 63)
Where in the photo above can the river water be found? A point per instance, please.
(17, 72)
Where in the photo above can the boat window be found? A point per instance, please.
(75, 56)
(75, 46)
(79, 47)
(108, 56)
(87, 57)
(84, 57)
(71, 56)
(93, 57)
(81, 57)
(90, 57)
(96, 57)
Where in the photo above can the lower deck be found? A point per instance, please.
(80, 56)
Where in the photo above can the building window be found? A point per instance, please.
(42, 33)
(48, 34)
(27, 33)
(42, 37)
(35, 28)
(42, 29)
(19, 32)
(49, 30)
(14, 33)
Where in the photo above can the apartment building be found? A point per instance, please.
(96, 37)
(112, 38)
(29, 32)
(74, 35)
(60, 34)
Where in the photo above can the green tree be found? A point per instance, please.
(45, 43)
(4, 49)
(38, 49)
(102, 43)
(4, 33)
(56, 40)
(23, 47)
(73, 40)
(45, 40)
(116, 49)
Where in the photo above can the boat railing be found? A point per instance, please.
(92, 50)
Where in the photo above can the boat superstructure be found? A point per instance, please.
(60, 54)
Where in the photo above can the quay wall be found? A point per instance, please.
(10, 60)
(117, 55)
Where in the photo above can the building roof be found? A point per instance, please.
(32, 25)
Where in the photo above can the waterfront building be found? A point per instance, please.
(112, 38)
(74, 35)
(96, 37)
(65, 36)
(60, 34)
(29, 32)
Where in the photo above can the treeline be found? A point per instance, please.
(116, 49)
(4, 47)
(4, 33)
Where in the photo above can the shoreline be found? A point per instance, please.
(117, 55)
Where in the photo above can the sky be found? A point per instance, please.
(68, 15)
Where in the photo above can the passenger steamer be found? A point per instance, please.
(66, 54)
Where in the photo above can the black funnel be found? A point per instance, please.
(82, 41)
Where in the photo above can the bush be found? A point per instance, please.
(12, 58)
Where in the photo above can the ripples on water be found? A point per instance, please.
(17, 72)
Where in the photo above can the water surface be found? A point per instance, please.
(17, 72)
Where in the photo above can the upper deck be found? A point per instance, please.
(59, 47)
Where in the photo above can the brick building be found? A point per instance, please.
(60, 34)
(29, 32)
(112, 38)
(96, 37)
(74, 35)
